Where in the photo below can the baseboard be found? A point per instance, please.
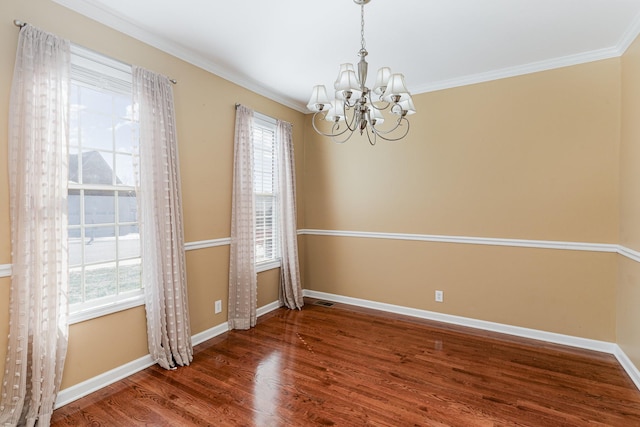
(91, 385)
(628, 366)
(203, 336)
(585, 343)
(568, 340)
(94, 384)
(268, 308)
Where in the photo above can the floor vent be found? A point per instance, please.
(323, 303)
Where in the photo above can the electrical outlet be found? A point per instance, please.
(218, 306)
(439, 296)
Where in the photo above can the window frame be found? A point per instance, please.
(101, 73)
(269, 123)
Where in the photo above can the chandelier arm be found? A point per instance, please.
(393, 129)
(386, 105)
(382, 134)
(330, 135)
(372, 130)
(351, 124)
(336, 140)
(375, 136)
(396, 104)
(348, 105)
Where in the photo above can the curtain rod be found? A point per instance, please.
(263, 115)
(21, 24)
(257, 112)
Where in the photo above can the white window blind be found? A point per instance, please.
(93, 70)
(265, 189)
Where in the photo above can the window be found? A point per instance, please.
(265, 189)
(104, 239)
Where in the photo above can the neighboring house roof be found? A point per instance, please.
(95, 170)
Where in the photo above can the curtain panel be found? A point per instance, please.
(38, 178)
(242, 261)
(290, 287)
(161, 227)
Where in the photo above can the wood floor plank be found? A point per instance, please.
(348, 366)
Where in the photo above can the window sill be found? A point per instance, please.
(269, 265)
(108, 308)
(137, 300)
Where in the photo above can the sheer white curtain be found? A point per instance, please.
(290, 287)
(38, 175)
(161, 230)
(242, 261)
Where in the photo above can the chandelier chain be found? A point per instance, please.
(364, 45)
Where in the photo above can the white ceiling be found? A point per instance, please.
(281, 48)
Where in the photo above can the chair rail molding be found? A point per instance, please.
(5, 270)
(203, 244)
(491, 241)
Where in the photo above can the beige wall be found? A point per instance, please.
(205, 119)
(530, 157)
(628, 309)
(539, 157)
(525, 287)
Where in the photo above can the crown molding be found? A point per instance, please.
(520, 70)
(629, 36)
(95, 11)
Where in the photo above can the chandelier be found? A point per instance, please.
(356, 108)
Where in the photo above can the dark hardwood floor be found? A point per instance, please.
(346, 366)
